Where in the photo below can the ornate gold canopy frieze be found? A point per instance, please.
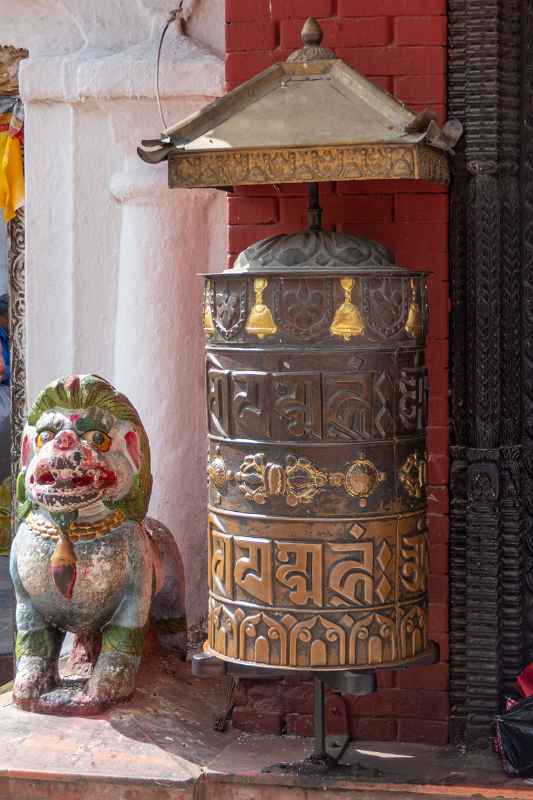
(311, 118)
(297, 165)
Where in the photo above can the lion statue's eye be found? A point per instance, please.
(43, 437)
(98, 439)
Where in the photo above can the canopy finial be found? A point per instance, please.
(312, 33)
(312, 36)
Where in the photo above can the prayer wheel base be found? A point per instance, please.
(209, 665)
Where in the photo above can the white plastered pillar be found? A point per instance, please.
(112, 255)
(158, 353)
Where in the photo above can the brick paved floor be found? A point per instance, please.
(164, 745)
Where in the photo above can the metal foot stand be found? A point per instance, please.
(326, 755)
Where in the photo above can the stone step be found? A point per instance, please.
(163, 746)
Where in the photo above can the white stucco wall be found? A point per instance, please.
(112, 255)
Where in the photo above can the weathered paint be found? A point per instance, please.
(76, 471)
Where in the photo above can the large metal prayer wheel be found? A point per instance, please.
(317, 408)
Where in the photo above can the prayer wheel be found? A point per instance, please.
(317, 408)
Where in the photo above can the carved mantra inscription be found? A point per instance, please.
(311, 574)
(311, 406)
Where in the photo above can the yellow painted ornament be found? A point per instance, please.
(348, 321)
(209, 325)
(414, 326)
(260, 321)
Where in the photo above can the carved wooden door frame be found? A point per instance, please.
(10, 58)
(491, 259)
(17, 317)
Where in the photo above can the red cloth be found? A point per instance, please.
(525, 681)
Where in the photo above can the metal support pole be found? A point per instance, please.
(319, 751)
(314, 212)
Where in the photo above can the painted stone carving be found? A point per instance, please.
(85, 558)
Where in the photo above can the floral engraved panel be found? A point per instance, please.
(304, 307)
(263, 640)
(317, 642)
(373, 640)
(413, 631)
(223, 628)
(230, 307)
(385, 303)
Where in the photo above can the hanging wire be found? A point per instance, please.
(175, 14)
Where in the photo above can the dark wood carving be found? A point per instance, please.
(526, 200)
(491, 253)
(458, 374)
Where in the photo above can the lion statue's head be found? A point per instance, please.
(84, 443)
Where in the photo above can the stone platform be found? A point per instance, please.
(163, 746)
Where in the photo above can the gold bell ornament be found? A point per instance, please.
(348, 321)
(414, 326)
(260, 321)
(209, 325)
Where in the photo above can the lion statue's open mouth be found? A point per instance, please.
(61, 483)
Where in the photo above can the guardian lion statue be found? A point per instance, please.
(85, 559)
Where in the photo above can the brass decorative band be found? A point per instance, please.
(310, 307)
(326, 398)
(317, 641)
(300, 481)
(326, 564)
(295, 165)
(346, 593)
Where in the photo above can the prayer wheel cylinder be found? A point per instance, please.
(317, 409)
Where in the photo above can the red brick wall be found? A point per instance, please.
(401, 45)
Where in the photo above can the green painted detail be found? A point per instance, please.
(174, 625)
(64, 519)
(134, 505)
(5, 517)
(44, 642)
(91, 391)
(92, 422)
(23, 503)
(128, 641)
(21, 487)
(23, 509)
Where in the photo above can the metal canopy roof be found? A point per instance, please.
(312, 118)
